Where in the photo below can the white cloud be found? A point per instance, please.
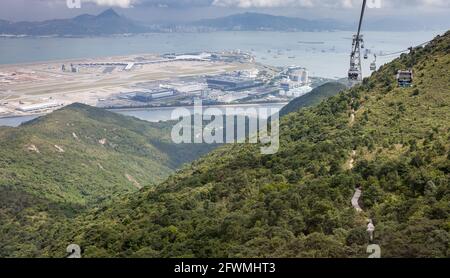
(326, 3)
(436, 3)
(262, 3)
(113, 3)
(286, 3)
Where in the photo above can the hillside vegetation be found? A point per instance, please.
(236, 202)
(313, 98)
(78, 157)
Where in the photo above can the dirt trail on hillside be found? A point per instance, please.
(134, 181)
(352, 117)
(358, 191)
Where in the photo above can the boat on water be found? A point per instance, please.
(310, 42)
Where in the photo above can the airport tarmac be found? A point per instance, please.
(88, 81)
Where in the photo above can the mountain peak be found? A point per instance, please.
(109, 13)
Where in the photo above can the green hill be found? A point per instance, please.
(81, 154)
(314, 97)
(236, 202)
(79, 157)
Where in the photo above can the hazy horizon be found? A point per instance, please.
(429, 14)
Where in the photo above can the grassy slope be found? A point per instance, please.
(104, 155)
(313, 98)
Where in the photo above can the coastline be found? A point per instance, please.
(137, 108)
(131, 109)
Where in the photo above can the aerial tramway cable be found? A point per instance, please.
(359, 26)
(403, 51)
(355, 72)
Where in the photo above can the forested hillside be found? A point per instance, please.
(235, 202)
(78, 157)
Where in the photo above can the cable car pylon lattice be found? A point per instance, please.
(355, 71)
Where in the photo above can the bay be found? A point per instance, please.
(324, 54)
(152, 114)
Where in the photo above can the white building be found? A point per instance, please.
(191, 88)
(194, 57)
(3, 110)
(298, 74)
(250, 73)
(38, 106)
(129, 67)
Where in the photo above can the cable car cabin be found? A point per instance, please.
(353, 75)
(405, 78)
(373, 65)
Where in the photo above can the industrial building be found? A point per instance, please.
(194, 57)
(231, 83)
(154, 94)
(296, 82)
(186, 88)
(232, 97)
(298, 74)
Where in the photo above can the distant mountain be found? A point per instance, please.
(314, 97)
(405, 24)
(106, 23)
(110, 23)
(266, 22)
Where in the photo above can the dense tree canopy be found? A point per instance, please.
(236, 202)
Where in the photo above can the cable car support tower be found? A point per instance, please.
(355, 71)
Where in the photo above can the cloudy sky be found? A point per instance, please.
(187, 10)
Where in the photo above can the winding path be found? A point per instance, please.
(351, 162)
(352, 117)
(355, 200)
(358, 191)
